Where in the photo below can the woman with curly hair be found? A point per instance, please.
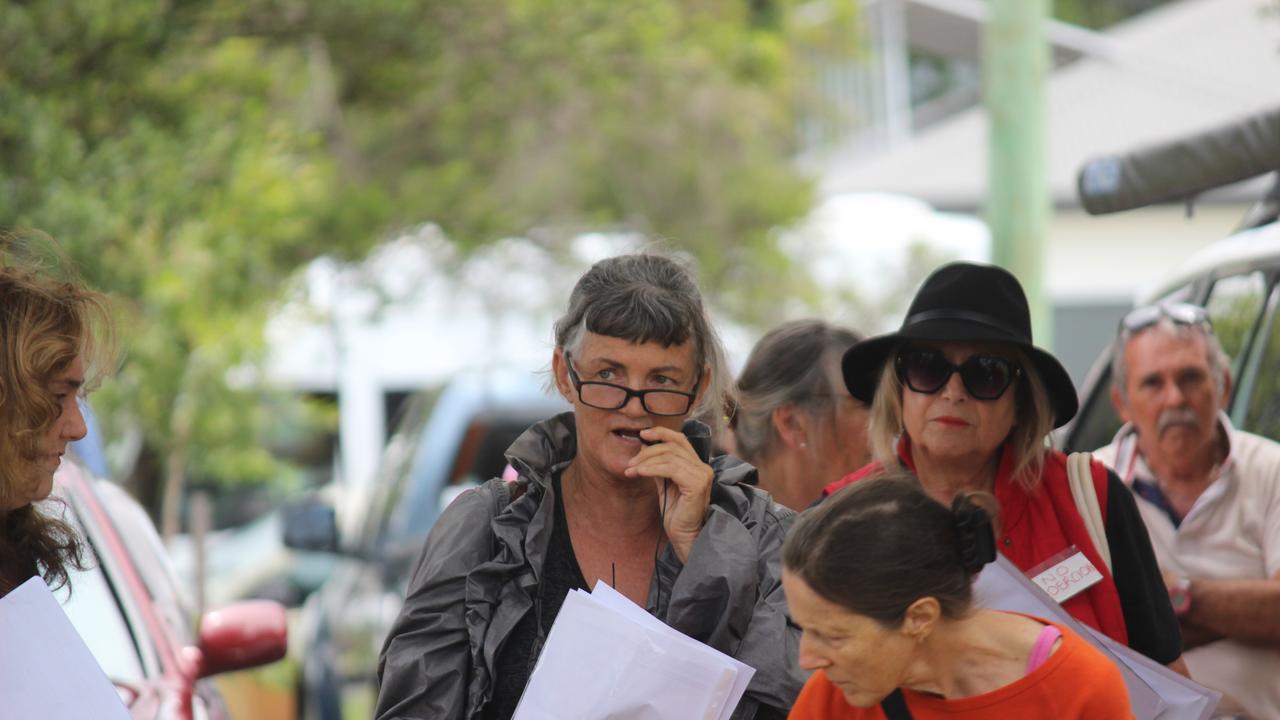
(54, 339)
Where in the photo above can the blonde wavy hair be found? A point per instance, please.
(1033, 419)
(48, 318)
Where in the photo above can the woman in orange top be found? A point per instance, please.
(879, 577)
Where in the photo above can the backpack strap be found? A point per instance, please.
(894, 706)
(1085, 493)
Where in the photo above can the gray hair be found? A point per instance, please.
(649, 297)
(1219, 361)
(787, 365)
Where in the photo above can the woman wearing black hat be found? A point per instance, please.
(961, 397)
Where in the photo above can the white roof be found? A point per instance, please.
(953, 29)
(417, 312)
(1174, 71)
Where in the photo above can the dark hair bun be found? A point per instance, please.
(973, 527)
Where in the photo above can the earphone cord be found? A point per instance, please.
(657, 549)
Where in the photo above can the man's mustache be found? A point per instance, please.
(1177, 416)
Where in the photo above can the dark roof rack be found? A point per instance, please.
(1179, 170)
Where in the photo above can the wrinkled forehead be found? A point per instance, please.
(639, 355)
(1176, 334)
(1162, 345)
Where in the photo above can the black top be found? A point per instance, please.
(1148, 617)
(516, 656)
(16, 566)
(1152, 493)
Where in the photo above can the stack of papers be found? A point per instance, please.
(607, 658)
(46, 670)
(1155, 692)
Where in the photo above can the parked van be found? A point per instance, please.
(444, 442)
(1237, 280)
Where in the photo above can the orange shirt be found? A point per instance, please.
(1077, 681)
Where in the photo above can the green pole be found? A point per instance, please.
(1015, 60)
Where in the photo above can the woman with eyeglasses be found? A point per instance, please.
(621, 490)
(961, 397)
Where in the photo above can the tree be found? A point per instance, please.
(193, 155)
(1100, 14)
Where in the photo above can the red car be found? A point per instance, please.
(130, 610)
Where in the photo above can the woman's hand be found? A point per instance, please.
(685, 498)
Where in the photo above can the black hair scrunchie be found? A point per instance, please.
(977, 541)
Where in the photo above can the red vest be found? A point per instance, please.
(1039, 524)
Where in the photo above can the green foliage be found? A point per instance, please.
(1263, 401)
(193, 155)
(1100, 14)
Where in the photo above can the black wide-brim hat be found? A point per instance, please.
(963, 302)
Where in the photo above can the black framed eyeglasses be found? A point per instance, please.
(1180, 313)
(985, 377)
(608, 396)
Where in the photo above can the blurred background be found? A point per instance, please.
(338, 231)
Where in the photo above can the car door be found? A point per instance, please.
(362, 601)
(1255, 406)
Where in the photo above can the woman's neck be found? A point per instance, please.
(943, 478)
(791, 479)
(627, 508)
(980, 653)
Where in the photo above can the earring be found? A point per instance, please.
(804, 444)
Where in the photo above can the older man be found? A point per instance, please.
(1210, 497)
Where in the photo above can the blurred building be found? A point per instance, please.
(1183, 67)
(410, 317)
(414, 315)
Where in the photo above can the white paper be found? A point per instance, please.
(605, 657)
(616, 600)
(46, 670)
(1155, 692)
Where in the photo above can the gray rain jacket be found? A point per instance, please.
(478, 571)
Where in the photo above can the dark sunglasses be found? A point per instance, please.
(985, 377)
(1180, 313)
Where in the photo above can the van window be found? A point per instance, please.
(393, 473)
(1258, 386)
(1234, 304)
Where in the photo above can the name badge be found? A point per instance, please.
(1065, 577)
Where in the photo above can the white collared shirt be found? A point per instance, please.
(1231, 532)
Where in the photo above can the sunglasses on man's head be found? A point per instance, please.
(985, 377)
(1179, 313)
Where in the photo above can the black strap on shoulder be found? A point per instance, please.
(895, 706)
